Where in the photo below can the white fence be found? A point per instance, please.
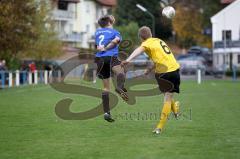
(18, 78)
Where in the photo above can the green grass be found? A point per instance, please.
(30, 128)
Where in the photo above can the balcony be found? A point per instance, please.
(63, 15)
(229, 44)
(74, 37)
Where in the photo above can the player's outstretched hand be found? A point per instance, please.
(147, 71)
(124, 63)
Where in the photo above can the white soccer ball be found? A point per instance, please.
(169, 12)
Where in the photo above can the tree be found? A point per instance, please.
(23, 28)
(192, 18)
(129, 32)
(15, 25)
(127, 12)
(210, 8)
(47, 44)
(189, 25)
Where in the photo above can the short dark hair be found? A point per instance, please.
(144, 33)
(105, 20)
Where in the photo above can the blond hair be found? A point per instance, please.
(144, 33)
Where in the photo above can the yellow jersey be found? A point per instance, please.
(161, 55)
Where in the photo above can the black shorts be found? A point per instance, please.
(169, 82)
(104, 66)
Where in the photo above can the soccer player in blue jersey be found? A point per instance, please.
(107, 41)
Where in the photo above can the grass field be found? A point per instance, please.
(31, 130)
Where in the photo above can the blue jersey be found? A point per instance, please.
(104, 36)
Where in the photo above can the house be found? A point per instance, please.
(89, 11)
(64, 15)
(76, 20)
(226, 36)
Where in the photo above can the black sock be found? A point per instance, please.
(120, 80)
(105, 101)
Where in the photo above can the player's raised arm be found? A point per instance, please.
(135, 53)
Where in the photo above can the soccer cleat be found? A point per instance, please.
(124, 89)
(177, 115)
(122, 93)
(157, 131)
(107, 117)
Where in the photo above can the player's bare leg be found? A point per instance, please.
(105, 100)
(165, 112)
(120, 77)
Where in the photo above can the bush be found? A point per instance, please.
(230, 73)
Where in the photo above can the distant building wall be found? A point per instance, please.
(76, 20)
(226, 36)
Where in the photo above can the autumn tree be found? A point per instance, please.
(191, 19)
(47, 44)
(188, 25)
(26, 30)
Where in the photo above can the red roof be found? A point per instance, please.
(226, 1)
(107, 2)
(73, 1)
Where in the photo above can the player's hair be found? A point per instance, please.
(144, 33)
(105, 20)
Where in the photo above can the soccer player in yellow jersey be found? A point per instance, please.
(166, 70)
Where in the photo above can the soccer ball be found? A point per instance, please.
(169, 12)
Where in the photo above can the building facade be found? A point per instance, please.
(76, 20)
(226, 36)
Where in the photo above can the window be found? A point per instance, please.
(70, 28)
(239, 59)
(87, 28)
(62, 5)
(88, 8)
(227, 59)
(227, 34)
